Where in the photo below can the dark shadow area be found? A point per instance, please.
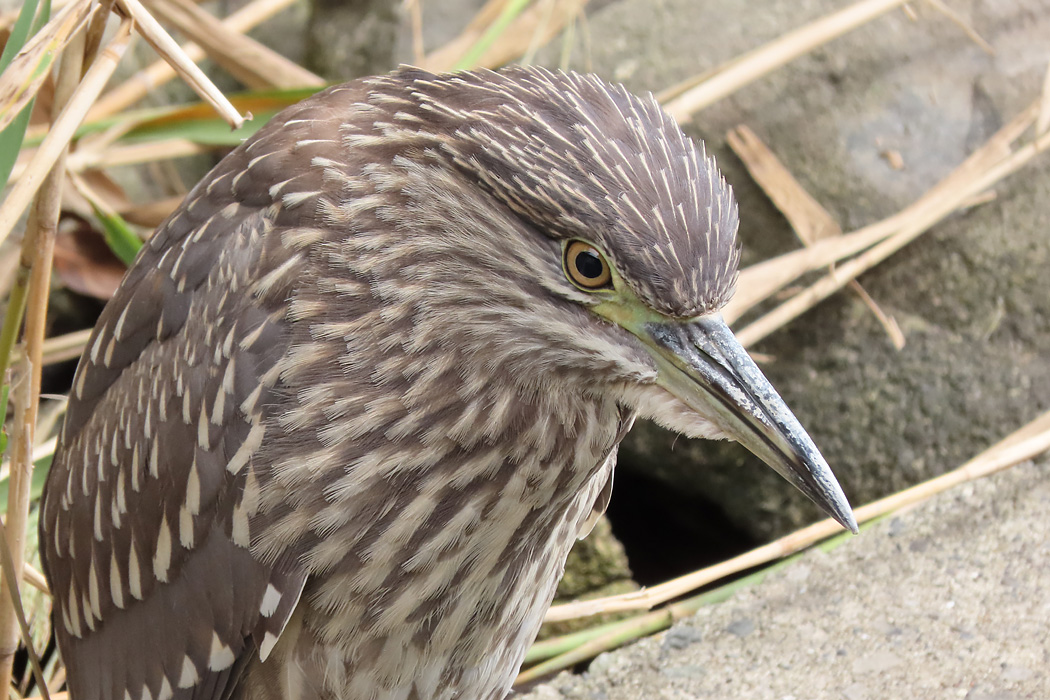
(667, 533)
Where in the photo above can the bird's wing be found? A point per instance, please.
(145, 515)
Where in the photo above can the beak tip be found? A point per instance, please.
(836, 505)
(850, 523)
(841, 511)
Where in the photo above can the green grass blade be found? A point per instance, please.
(28, 22)
(20, 32)
(474, 53)
(118, 235)
(11, 142)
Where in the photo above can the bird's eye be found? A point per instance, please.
(586, 267)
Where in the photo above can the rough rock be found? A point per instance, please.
(948, 600)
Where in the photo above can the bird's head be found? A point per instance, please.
(573, 236)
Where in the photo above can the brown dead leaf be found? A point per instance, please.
(84, 262)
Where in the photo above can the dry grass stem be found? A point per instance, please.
(977, 200)
(14, 530)
(547, 8)
(141, 83)
(38, 247)
(133, 154)
(807, 217)
(14, 601)
(44, 449)
(485, 16)
(962, 24)
(444, 57)
(745, 69)
(64, 347)
(536, 24)
(415, 15)
(810, 221)
(1024, 444)
(23, 77)
(171, 52)
(760, 281)
(255, 65)
(62, 131)
(1042, 124)
(979, 172)
(34, 578)
(888, 323)
(54, 696)
(96, 30)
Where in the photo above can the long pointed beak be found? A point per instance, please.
(703, 365)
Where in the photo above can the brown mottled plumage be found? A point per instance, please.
(337, 430)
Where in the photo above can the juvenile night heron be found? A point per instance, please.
(336, 432)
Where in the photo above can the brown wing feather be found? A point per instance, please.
(146, 509)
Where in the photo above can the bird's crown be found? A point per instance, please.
(580, 158)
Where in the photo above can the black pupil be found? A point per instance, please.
(589, 265)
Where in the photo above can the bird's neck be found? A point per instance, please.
(472, 507)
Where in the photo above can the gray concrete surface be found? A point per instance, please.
(948, 600)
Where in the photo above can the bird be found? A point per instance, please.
(338, 428)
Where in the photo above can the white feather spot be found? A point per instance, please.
(122, 502)
(110, 346)
(294, 199)
(134, 573)
(116, 585)
(219, 407)
(189, 675)
(136, 468)
(165, 692)
(268, 643)
(80, 383)
(162, 556)
(186, 528)
(193, 489)
(248, 447)
(97, 345)
(276, 189)
(203, 438)
(65, 621)
(271, 599)
(114, 445)
(119, 328)
(74, 611)
(239, 528)
(88, 617)
(93, 592)
(221, 655)
(98, 516)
